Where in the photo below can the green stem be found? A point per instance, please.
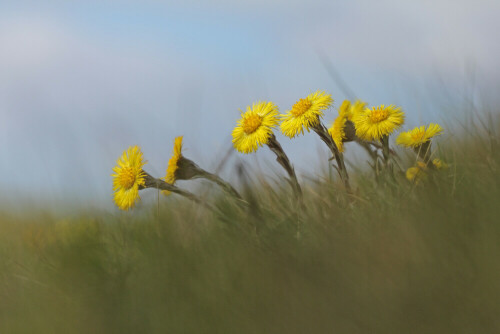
(152, 182)
(219, 181)
(386, 152)
(327, 139)
(283, 160)
(424, 152)
(188, 170)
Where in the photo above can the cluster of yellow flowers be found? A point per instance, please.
(356, 122)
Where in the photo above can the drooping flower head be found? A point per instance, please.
(173, 163)
(305, 113)
(337, 130)
(128, 177)
(418, 136)
(255, 127)
(355, 108)
(377, 122)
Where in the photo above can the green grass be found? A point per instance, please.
(392, 258)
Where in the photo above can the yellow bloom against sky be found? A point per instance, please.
(172, 163)
(355, 108)
(305, 113)
(376, 122)
(128, 177)
(419, 135)
(255, 126)
(337, 130)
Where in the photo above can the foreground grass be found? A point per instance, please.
(390, 258)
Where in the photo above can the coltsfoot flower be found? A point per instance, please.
(255, 127)
(419, 136)
(417, 173)
(128, 177)
(305, 113)
(355, 108)
(338, 128)
(440, 164)
(377, 122)
(173, 163)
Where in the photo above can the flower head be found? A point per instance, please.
(128, 177)
(440, 164)
(418, 136)
(355, 108)
(305, 113)
(337, 130)
(419, 172)
(255, 127)
(374, 123)
(173, 163)
(416, 173)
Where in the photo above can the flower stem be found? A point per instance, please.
(219, 181)
(424, 152)
(152, 182)
(320, 129)
(386, 152)
(283, 160)
(189, 170)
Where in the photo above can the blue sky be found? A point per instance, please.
(81, 81)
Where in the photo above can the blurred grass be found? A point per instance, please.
(394, 259)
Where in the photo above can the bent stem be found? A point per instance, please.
(320, 129)
(221, 183)
(283, 160)
(152, 182)
(190, 170)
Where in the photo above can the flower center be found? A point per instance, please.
(300, 107)
(417, 137)
(379, 115)
(251, 123)
(127, 178)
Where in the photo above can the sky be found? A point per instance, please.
(82, 81)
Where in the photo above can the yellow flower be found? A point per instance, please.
(128, 177)
(173, 163)
(305, 113)
(337, 130)
(377, 122)
(255, 127)
(355, 108)
(440, 164)
(417, 173)
(418, 136)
